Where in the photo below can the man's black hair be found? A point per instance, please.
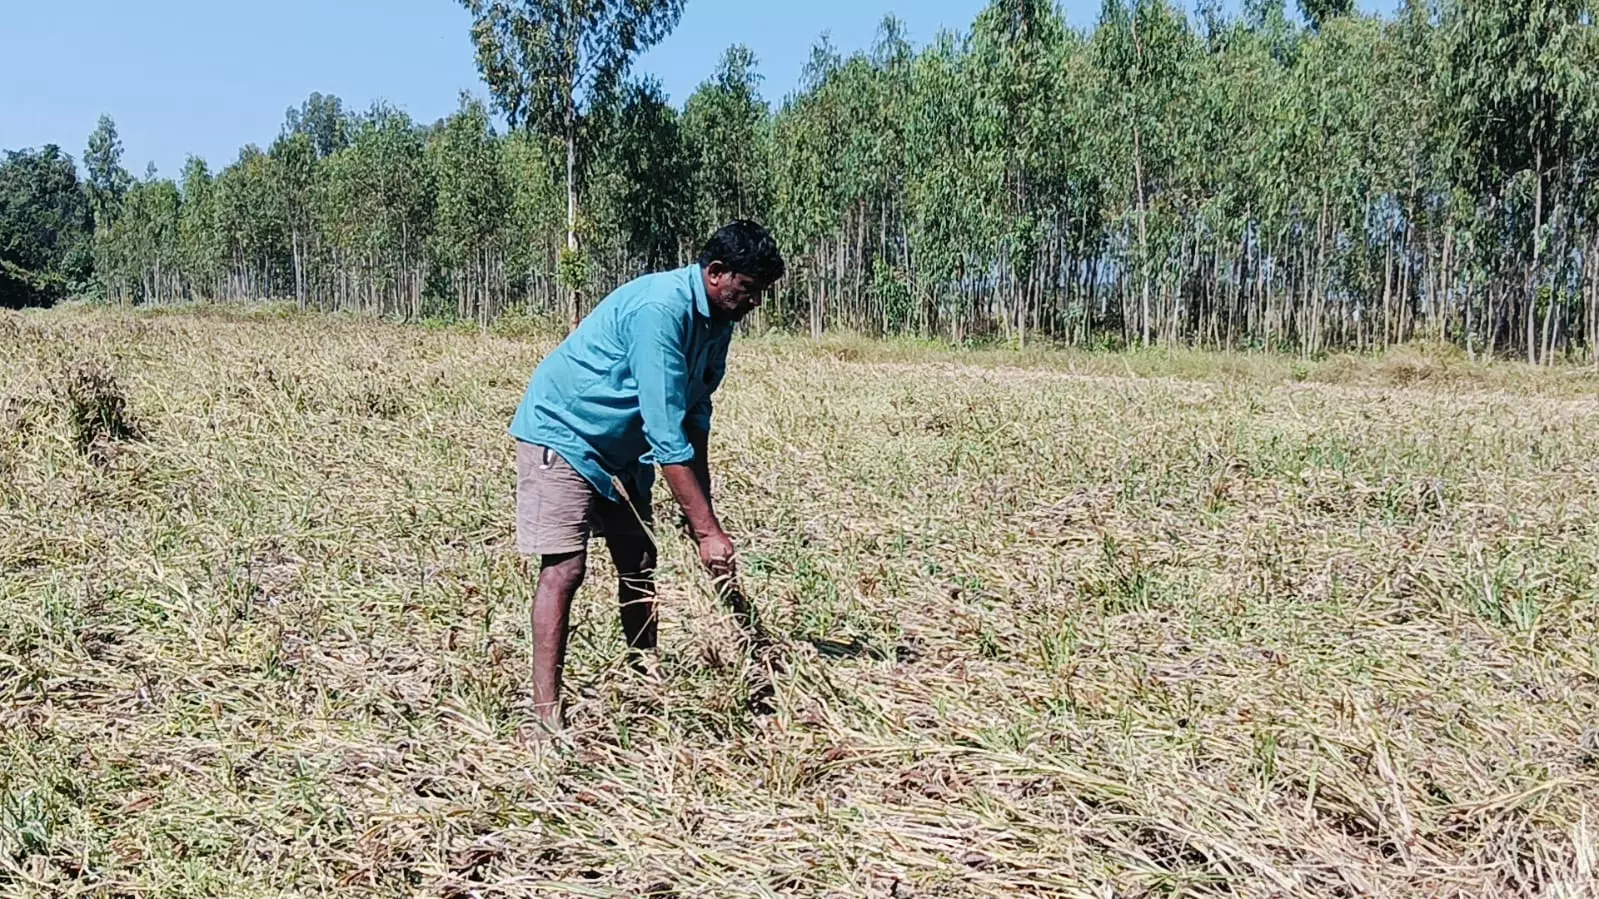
(747, 249)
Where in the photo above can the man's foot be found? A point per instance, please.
(541, 732)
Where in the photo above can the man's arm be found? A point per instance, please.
(716, 549)
(697, 425)
(661, 371)
(699, 511)
(701, 440)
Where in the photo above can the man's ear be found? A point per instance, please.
(717, 269)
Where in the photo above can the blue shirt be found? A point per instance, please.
(615, 396)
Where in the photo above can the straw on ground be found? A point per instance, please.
(1053, 631)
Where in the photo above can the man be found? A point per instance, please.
(630, 388)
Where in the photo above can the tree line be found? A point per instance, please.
(1302, 182)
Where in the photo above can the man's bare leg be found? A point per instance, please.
(559, 579)
(634, 557)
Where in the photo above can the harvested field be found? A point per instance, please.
(1057, 630)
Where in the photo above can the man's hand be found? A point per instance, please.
(716, 553)
(691, 486)
(716, 550)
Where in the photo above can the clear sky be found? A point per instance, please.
(205, 77)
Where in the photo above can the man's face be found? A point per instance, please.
(732, 295)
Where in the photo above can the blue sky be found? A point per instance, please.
(205, 77)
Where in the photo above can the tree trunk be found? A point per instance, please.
(1143, 234)
(1591, 265)
(299, 278)
(1551, 321)
(1406, 281)
(1387, 283)
(573, 307)
(1446, 284)
(1537, 259)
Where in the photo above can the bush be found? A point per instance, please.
(97, 410)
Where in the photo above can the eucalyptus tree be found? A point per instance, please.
(323, 119)
(148, 262)
(886, 148)
(943, 223)
(547, 62)
(535, 235)
(294, 172)
(1417, 225)
(723, 124)
(1328, 143)
(377, 214)
(1234, 167)
(643, 185)
(108, 183)
(841, 173)
(201, 247)
(1245, 179)
(807, 134)
(1020, 113)
(862, 198)
(1145, 54)
(252, 226)
(467, 165)
(1518, 83)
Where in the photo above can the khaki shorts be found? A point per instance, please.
(558, 510)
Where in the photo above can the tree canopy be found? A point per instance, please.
(45, 227)
(1304, 180)
(549, 62)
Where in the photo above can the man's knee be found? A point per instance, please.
(635, 561)
(564, 572)
(632, 555)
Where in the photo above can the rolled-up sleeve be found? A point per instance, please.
(661, 370)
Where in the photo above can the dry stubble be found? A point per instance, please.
(1047, 634)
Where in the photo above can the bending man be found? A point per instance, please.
(629, 388)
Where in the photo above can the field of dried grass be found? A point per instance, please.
(1088, 626)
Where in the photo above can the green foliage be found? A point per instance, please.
(1518, 94)
(548, 63)
(1319, 12)
(724, 122)
(1345, 182)
(377, 212)
(45, 224)
(573, 270)
(641, 186)
(200, 240)
(472, 206)
(294, 164)
(252, 222)
(108, 180)
(142, 253)
(536, 231)
(322, 120)
(544, 60)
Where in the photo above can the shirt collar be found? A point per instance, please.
(702, 303)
